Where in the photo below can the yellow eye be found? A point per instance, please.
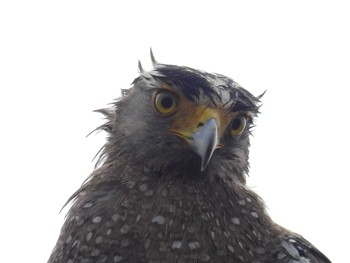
(165, 102)
(238, 125)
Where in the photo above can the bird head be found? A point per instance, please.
(176, 118)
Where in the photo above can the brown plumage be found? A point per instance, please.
(170, 183)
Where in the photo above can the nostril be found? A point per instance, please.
(200, 124)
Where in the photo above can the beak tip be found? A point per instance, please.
(205, 162)
(205, 141)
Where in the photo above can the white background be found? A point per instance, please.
(60, 60)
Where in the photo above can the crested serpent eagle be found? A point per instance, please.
(170, 183)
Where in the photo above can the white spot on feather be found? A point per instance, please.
(97, 219)
(69, 239)
(194, 245)
(254, 214)
(158, 219)
(88, 236)
(176, 245)
(235, 220)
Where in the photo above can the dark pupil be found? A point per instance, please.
(167, 102)
(236, 124)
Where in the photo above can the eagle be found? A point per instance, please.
(170, 181)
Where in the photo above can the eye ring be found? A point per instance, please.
(238, 125)
(165, 102)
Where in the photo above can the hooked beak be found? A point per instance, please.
(204, 141)
(200, 130)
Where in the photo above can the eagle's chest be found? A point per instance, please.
(166, 220)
